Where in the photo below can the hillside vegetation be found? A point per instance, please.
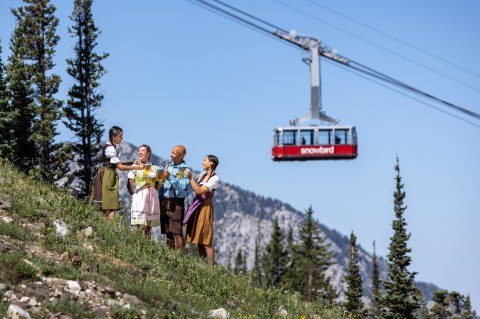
(101, 268)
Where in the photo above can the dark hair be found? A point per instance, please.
(149, 150)
(114, 131)
(214, 160)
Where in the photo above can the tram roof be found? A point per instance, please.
(322, 127)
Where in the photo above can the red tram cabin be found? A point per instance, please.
(314, 143)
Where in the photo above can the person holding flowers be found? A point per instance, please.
(143, 185)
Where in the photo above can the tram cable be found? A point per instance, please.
(335, 58)
(394, 38)
(369, 78)
(386, 49)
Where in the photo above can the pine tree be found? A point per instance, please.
(257, 268)
(275, 259)
(451, 305)
(7, 120)
(229, 260)
(20, 111)
(374, 309)
(244, 269)
(467, 309)
(291, 276)
(401, 298)
(84, 97)
(456, 302)
(353, 280)
(239, 267)
(440, 309)
(312, 258)
(38, 24)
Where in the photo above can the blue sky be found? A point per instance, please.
(179, 74)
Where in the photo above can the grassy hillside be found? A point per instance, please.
(113, 272)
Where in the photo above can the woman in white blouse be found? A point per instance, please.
(200, 225)
(105, 189)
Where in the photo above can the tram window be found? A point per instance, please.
(341, 136)
(289, 137)
(277, 140)
(324, 137)
(306, 137)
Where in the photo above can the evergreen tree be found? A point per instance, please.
(20, 112)
(244, 269)
(401, 298)
(275, 259)
(456, 304)
(353, 280)
(374, 311)
(239, 267)
(440, 309)
(312, 258)
(291, 276)
(7, 119)
(451, 305)
(84, 97)
(467, 309)
(38, 24)
(257, 269)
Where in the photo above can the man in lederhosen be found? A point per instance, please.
(172, 207)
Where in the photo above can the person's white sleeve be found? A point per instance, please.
(131, 174)
(112, 154)
(213, 183)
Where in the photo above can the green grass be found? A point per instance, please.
(168, 284)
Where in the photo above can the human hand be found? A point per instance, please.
(188, 173)
(166, 173)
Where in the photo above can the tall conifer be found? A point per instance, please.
(275, 259)
(84, 96)
(257, 267)
(451, 305)
(239, 267)
(291, 276)
(312, 258)
(20, 110)
(353, 280)
(440, 308)
(374, 309)
(7, 117)
(38, 24)
(467, 309)
(401, 298)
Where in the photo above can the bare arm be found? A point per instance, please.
(198, 189)
(130, 186)
(123, 167)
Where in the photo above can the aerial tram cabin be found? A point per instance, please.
(314, 143)
(329, 141)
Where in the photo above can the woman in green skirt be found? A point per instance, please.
(105, 189)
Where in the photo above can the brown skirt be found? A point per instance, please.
(105, 189)
(200, 225)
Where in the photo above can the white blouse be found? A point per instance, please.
(212, 183)
(112, 153)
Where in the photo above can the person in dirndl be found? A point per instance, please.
(145, 209)
(200, 224)
(105, 188)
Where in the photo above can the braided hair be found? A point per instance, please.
(214, 160)
(114, 131)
